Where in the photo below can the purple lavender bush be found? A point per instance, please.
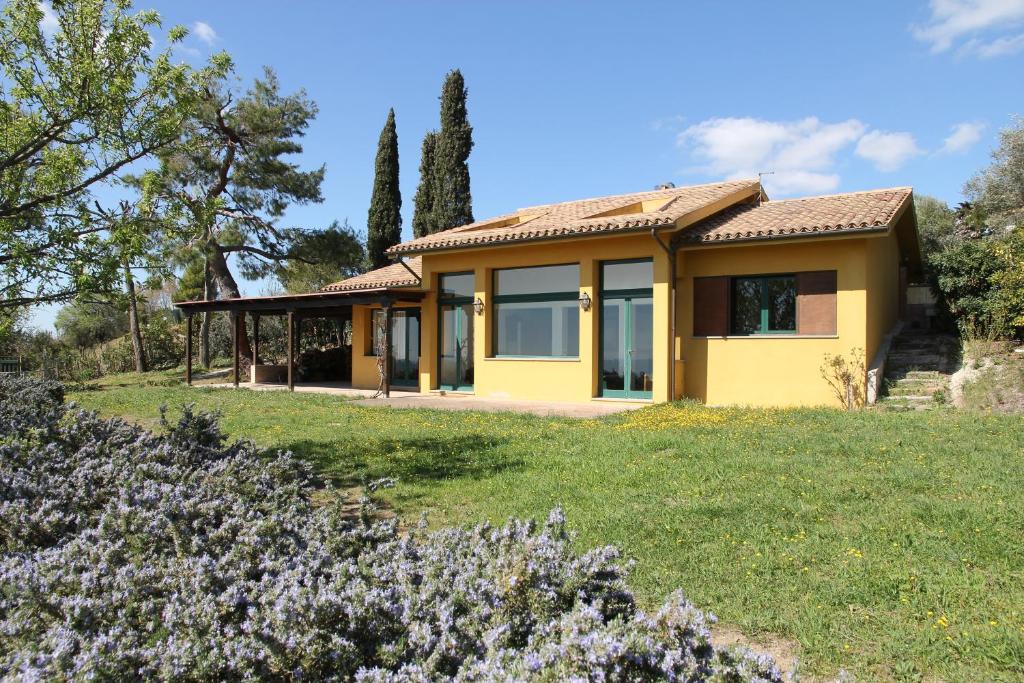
(178, 555)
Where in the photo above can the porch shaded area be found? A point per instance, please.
(295, 308)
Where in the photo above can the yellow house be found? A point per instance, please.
(711, 292)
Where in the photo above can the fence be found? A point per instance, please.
(10, 366)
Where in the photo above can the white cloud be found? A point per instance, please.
(1000, 47)
(953, 20)
(204, 32)
(801, 155)
(48, 24)
(888, 151)
(963, 137)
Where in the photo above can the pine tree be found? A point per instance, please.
(423, 216)
(384, 223)
(452, 201)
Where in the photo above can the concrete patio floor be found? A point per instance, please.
(436, 401)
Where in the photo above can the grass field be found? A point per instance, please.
(887, 544)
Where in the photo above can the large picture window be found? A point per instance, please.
(536, 311)
(763, 305)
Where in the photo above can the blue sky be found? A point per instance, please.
(572, 100)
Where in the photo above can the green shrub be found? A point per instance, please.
(979, 281)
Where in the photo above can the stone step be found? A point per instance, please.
(913, 392)
(907, 403)
(905, 391)
(926, 375)
(917, 370)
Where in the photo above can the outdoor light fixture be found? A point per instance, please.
(585, 301)
(478, 306)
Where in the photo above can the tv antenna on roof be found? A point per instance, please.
(760, 192)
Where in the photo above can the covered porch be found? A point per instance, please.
(295, 308)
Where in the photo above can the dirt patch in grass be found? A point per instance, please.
(783, 651)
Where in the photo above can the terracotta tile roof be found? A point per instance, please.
(637, 211)
(854, 211)
(394, 275)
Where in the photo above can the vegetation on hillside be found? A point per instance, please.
(196, 178)
(974, 254)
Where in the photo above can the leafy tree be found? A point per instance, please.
(980, 276)
(998, 190)
(423, 216)
(86, 323)
(967, 275)
(81, 101)
(936, 224)
(230, 178)
(142, 244)
(384, 223)
(1009, 280)
(452, 203)
(12, 322)
(191, 282)
(322, 257)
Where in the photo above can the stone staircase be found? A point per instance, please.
(918, 369)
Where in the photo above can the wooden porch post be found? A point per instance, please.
(238, 320)
(388, 318)
(255, 338)
(188, 349)
(291, 351)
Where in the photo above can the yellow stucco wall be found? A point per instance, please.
(544, 379)
(883, 282)
(762, 371)
(771, 370)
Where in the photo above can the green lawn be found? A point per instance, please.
(887, 544)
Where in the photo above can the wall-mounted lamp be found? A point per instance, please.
(585, 301)
(478, 306)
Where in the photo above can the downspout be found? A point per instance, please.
(670, 251)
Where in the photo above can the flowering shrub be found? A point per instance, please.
(178, 555)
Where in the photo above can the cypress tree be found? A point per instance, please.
(423, 215)
(384, 223)
(453, 203)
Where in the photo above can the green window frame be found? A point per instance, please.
(763, 304)
(569, 334)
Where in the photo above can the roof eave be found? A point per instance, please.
(808, 234)
(615, 232)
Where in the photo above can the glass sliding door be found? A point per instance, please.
(405, 344)
(455, 313)
(405, 347)
(627, 329)
(613, 345)
(641, 346)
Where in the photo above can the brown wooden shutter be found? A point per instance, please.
(710, 306)
(816, 302)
